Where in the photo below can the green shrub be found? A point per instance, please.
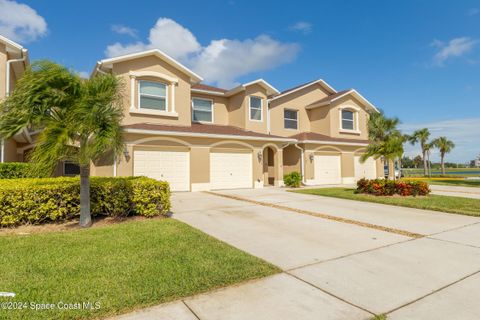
(42, 200)
(14, 170)
(383, 187)
(293, 179)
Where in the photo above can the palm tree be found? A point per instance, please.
(79, 120)
(386, 140)
(444, 146)
(428, 146)
(421, 136)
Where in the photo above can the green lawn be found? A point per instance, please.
(457, 205)
(451, 182)
(123, 267)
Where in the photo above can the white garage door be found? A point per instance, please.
(327, 169)
(230, 170)
(367, 170)
(170, 166)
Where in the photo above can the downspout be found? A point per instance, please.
(268, 116)
(7, 93)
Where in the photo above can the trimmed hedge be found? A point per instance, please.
(43, 200)
(293, 179)
(383, 187)
(14, 170)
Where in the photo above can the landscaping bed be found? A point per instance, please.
(121, 267)
(448, 204)
(44, 200)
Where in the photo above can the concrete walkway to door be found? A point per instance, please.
(333, 270)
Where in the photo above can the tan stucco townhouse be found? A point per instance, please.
(199, 137)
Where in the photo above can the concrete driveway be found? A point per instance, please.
(332, 269)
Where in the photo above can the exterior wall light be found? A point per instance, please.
(311, 157)
(259, 155)
(126, 153)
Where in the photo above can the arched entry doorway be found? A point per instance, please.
(268, 166)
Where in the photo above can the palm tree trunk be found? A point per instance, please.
(424, 156)
(85, 216)
(391, 169)
(428, 163)
(443, 163)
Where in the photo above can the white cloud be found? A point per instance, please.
(166, 35)
(222, 61)
(120, 29)
(473, 11)
(302, 26)
(455, 48)
(463, 132)
(20, 22)
(84, 74)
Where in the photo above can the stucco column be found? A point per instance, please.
(380, 168)
(278, 165)
(257, 167)
(348, 168)
(199, 168)
(309, 170)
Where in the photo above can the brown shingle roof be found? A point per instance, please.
(312, 136)
(203, 129)
(205, 87)
(329, 98)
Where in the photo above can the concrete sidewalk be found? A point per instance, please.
(456, 191)
(333, 270)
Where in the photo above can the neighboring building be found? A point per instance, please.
(13, 61)
(199, 137)
(476, 162)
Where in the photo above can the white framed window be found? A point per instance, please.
(152, 95)
(348, 119)
(290, 119)
(255, 109)
(202, 110)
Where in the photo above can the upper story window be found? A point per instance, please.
(152, 95)
(202, 110)
(290, 119)
(348, 122)
(255, 109)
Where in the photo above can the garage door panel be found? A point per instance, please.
(327, 169)
(367, 170)
(170, 166)
(230, 170)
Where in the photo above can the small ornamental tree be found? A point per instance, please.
(80, 120)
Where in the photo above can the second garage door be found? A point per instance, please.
(367, 170)
(327, 169)
(170, 166)
(230, 170)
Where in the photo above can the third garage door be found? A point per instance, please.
(230, 170)
(327, 169)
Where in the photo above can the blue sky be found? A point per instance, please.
(417, 60)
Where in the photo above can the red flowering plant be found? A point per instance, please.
(382, 187)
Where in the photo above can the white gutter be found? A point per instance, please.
(212, 93)
(335, 143)
(204, 135)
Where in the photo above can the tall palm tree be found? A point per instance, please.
(421, 136)
(428, 146)
(80, 120)
(444, 146)
(386, 140)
